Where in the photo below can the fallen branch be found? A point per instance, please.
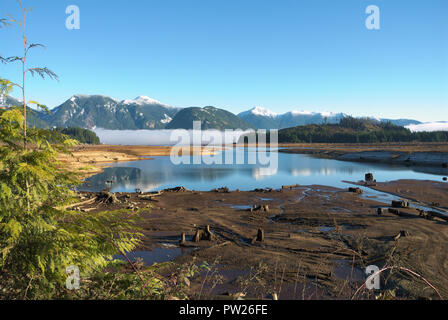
(79, 204)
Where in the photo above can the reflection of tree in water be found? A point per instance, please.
(119, 176)
(431, 170)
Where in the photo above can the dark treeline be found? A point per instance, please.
(84, 136)
(357, 130)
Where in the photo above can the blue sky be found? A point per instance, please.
(312, 55)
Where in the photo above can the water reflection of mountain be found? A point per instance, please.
(120, 177)
(160, 173)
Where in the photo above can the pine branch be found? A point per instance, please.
(42, 72)
(10, 59)
(5, 23)
(35, 45)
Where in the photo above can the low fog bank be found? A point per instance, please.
(165, 137)
(430, 126)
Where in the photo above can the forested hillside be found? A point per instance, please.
(355, 130)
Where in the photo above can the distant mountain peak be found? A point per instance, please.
(88, 96)
(313, 113)
(261, 111)
(210, 117)
(142, 100)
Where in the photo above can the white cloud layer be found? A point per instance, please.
(161, 137)
(429, 126)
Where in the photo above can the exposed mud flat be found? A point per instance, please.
(430, 193)
(317, 240)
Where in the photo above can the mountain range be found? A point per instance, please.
(97, 111)
(266, 119)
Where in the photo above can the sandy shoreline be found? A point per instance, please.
(93, 159)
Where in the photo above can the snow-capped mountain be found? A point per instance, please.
(144, 101)
(96, 111)
(265, 119)
(8, 101)
(261, 118)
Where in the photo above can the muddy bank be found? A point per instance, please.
(430, 193)
(316, 241)
(403, 154)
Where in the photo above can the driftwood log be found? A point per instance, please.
(83, 203)
(150, 196)
(400, 213)
(429, 215)
(291, 186)
(177, 189)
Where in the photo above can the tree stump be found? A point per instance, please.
(182, 239)
(400, 204)
(208, 234)
(204, 234)
(260, 235)
(402, 233)
(107, 197)
(355, 190)
(198, 235)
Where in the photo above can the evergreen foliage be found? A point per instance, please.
(39, 237)
(84, 136)
(355, 130)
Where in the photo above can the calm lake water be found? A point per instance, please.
(161, 173)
